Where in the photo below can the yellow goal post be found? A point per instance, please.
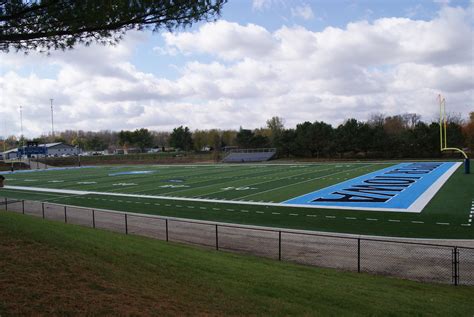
(443, 123)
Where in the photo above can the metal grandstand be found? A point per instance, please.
(249, 155)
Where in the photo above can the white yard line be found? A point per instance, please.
(256, 184)
(253, 203)
(306, 181)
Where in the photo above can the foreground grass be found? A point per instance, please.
(53, 268)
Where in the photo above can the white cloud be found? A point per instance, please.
(391, 65)
(261, 4)
(228, 40)
(304, 11)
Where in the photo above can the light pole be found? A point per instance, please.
(52, 118)
(78, 156)
(21, 125)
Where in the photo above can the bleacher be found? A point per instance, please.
(249, 155)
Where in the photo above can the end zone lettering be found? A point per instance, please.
(416, 168)
(405, 187)
(387, 186)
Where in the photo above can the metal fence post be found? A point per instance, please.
(6, 204)
(279, 245)
(455, 266)
(166, 222)
(23, 206)
(217, 238)
(358, 255)
(42, 209)
(65, 215)
(93, 218)
(126, 224)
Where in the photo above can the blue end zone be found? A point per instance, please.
(394, 188)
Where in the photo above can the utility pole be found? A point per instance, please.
(52, 118)
(21, 127)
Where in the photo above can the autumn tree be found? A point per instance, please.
(468, 130)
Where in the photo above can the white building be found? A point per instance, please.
(10, 154)
(52, 149)
(60, 149)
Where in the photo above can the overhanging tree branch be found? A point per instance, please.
(61, 24)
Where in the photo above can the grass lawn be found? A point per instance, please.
(53, 268)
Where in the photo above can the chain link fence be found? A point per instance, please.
(408, 260)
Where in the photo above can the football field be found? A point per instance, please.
(263, 194)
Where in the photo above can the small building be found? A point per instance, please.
(60, 149)
(51, 149)
(10, 154)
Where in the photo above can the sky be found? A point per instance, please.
(299, 60)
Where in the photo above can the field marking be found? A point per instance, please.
(177, 198)
(406, 203)
(227, 179)
(312, 179)
(256, 184)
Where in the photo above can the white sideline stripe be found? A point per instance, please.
(49, 190)
(393, 220)
(420, 203)
(443, 223)
(425, 198)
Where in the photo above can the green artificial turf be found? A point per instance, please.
(446, 216)
(50, 268)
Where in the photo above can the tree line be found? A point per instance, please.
(399, 136)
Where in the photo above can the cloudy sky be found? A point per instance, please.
(300, 60)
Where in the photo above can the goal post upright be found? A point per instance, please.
(443, 134)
